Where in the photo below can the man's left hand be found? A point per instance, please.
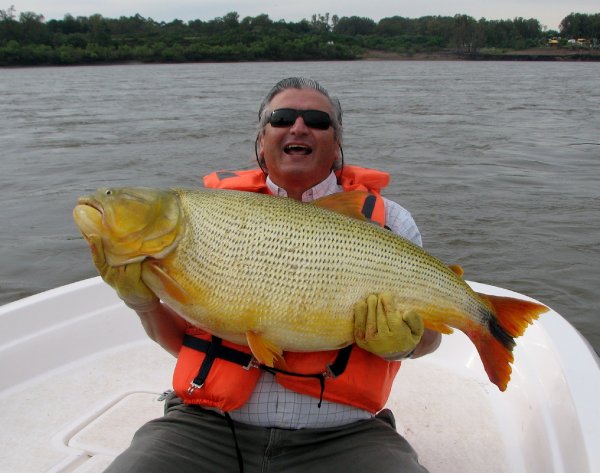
(382, 329)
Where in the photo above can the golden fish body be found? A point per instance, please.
(241, 264)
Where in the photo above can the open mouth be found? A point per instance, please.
(297, 150)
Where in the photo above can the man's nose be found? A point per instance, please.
(299, 126)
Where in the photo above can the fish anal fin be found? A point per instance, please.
(155, 276)
(265, 351)
(457, 269)
(438, 326)
(345, 203)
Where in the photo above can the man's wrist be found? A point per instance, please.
(403, 355)
(148, 306)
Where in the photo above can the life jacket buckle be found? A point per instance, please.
(253, 363)
(193, 386)
(328, 373)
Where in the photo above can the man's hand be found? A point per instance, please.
(126, 280)
(382, 329)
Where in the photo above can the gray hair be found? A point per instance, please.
(302, 83)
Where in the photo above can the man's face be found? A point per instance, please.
(299, 157)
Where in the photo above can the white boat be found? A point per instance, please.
(79, 376)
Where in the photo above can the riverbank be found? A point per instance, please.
(490, 54)
(533, 54)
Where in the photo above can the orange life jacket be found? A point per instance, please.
(216, 373)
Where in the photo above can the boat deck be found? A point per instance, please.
(76, 388)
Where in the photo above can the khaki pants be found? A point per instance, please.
(189, 439)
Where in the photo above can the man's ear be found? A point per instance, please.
(259, 145)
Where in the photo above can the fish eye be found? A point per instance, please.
(108, 192)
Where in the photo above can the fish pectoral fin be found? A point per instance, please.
(346, 203)
(156, 277)
(265, 351)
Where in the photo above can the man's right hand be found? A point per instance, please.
(126, 280)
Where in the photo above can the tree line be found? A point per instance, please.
(28, 39)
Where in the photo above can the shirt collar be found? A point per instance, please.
(326, 187)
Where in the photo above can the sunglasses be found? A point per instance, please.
(286, 117)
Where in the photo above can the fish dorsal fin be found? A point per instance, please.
(457, 269)
(345, 203)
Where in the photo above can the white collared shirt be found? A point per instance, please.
(397, 218)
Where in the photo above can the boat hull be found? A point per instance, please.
(76, 362)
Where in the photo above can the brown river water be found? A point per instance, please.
(499, 162)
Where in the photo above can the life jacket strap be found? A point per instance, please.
(369, 206)
(214, 349)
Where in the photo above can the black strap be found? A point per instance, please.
(319, 376)
(214, 349)
(341, 361)
(238, 451)
(207, 363)
(221, 351)
(369, 206)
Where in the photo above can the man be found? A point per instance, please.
(246, 419)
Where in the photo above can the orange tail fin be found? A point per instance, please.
(507, 319)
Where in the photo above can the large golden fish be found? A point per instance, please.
(277, 274)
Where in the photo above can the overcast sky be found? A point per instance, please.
(548, 12)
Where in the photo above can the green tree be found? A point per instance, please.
(579, 25)
(464, 34)
(320, 22)
(355, 26)
(394, 26)
(8, 25)
(32, 28)
(97, 29)
(28, 39)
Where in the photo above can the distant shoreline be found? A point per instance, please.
(534, 54)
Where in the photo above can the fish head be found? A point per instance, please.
(134, 223)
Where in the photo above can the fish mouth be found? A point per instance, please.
(88, 215)
(297, 149)
(89, 201)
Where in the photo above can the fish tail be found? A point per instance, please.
(505, 319)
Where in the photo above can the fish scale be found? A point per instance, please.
(288, 274)
(270, 262)
(281, 267)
